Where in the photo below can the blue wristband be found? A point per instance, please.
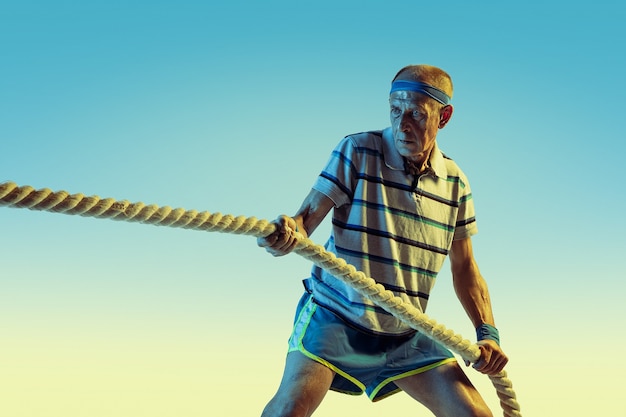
(487, 331)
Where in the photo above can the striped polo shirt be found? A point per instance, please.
(395, 227)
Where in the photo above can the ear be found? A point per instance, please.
(445, 115)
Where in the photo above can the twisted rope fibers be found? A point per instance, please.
(44, 199)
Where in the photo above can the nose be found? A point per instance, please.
(405, 126)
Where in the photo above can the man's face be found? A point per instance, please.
(414, 123)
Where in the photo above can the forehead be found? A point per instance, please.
(409, 98)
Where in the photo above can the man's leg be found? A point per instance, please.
(446, 391)
(305, 383)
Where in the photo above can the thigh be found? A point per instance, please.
(446, 391)
(304, 384)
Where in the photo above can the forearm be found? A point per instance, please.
(473, 293)
(283, 240)
(471, 289)
(469, 285)
(312, 212)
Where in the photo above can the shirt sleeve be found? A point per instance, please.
(338, 178)
(466, 216)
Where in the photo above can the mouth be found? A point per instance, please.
(402, 137)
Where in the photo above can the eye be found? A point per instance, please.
(417, 114)
(395, 111)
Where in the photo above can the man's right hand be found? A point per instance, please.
(283, 240)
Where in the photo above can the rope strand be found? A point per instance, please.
(44, 199)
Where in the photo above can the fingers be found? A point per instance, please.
(283, 240)
(492, 359)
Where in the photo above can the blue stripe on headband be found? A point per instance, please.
(419, 87)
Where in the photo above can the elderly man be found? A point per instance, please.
(400, 206)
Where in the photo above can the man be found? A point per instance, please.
(399, 208)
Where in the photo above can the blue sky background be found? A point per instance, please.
(235, 109)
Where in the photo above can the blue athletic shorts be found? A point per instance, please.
(362, 362)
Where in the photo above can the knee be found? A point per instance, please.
(474, 409)
(485, 413)
(281, 408)
(480, 411)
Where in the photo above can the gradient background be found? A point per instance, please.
(235, 108)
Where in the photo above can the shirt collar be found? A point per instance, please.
(395, 161)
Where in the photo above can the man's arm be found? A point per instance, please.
(471, 289)
(313, 210)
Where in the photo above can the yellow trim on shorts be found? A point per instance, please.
(324, 362)
(372, 395)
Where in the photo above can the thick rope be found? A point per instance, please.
(15, 196)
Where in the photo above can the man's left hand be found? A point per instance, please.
(492, 359)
